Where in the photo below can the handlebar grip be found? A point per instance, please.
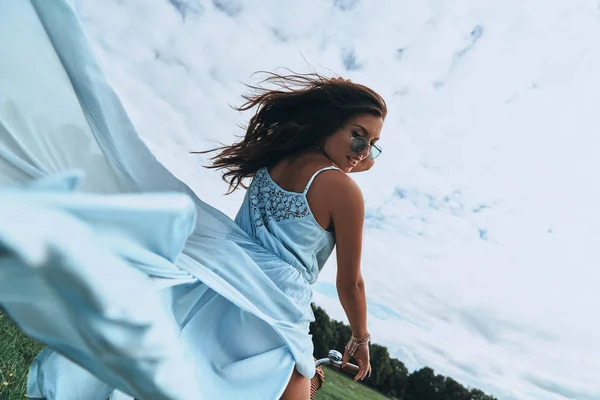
(351, 369)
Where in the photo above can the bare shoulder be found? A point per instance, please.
(337, 183)
(338, 191)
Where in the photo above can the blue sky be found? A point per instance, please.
(480, 250)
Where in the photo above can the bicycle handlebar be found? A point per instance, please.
(335, 360)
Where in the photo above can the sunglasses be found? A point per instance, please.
(359, 144)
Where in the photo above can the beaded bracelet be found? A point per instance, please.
(354, 342)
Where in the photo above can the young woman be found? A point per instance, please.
(298, 148)
(156, 295)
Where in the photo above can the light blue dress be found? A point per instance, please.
(138, 288)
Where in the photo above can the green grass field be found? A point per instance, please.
(17, 351)
(339, 386)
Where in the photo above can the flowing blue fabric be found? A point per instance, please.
(138, 287)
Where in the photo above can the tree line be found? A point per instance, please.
(389, 375)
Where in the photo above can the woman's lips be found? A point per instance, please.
(352, 161)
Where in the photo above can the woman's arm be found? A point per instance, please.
(337, 196)
(348, 216)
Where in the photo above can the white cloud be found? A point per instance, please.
(483, 225)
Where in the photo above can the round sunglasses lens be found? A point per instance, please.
(375, 152)
(358, 145)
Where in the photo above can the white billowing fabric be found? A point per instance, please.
(138, 287)
(65, 282)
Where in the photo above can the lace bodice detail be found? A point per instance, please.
(282, 222)
(268, 202)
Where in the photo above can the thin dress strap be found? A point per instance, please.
(312, 178)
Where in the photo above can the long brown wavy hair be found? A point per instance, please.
(298, 113)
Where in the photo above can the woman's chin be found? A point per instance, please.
(344, 166)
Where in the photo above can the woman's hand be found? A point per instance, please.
(363, 165)
(362, 358)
